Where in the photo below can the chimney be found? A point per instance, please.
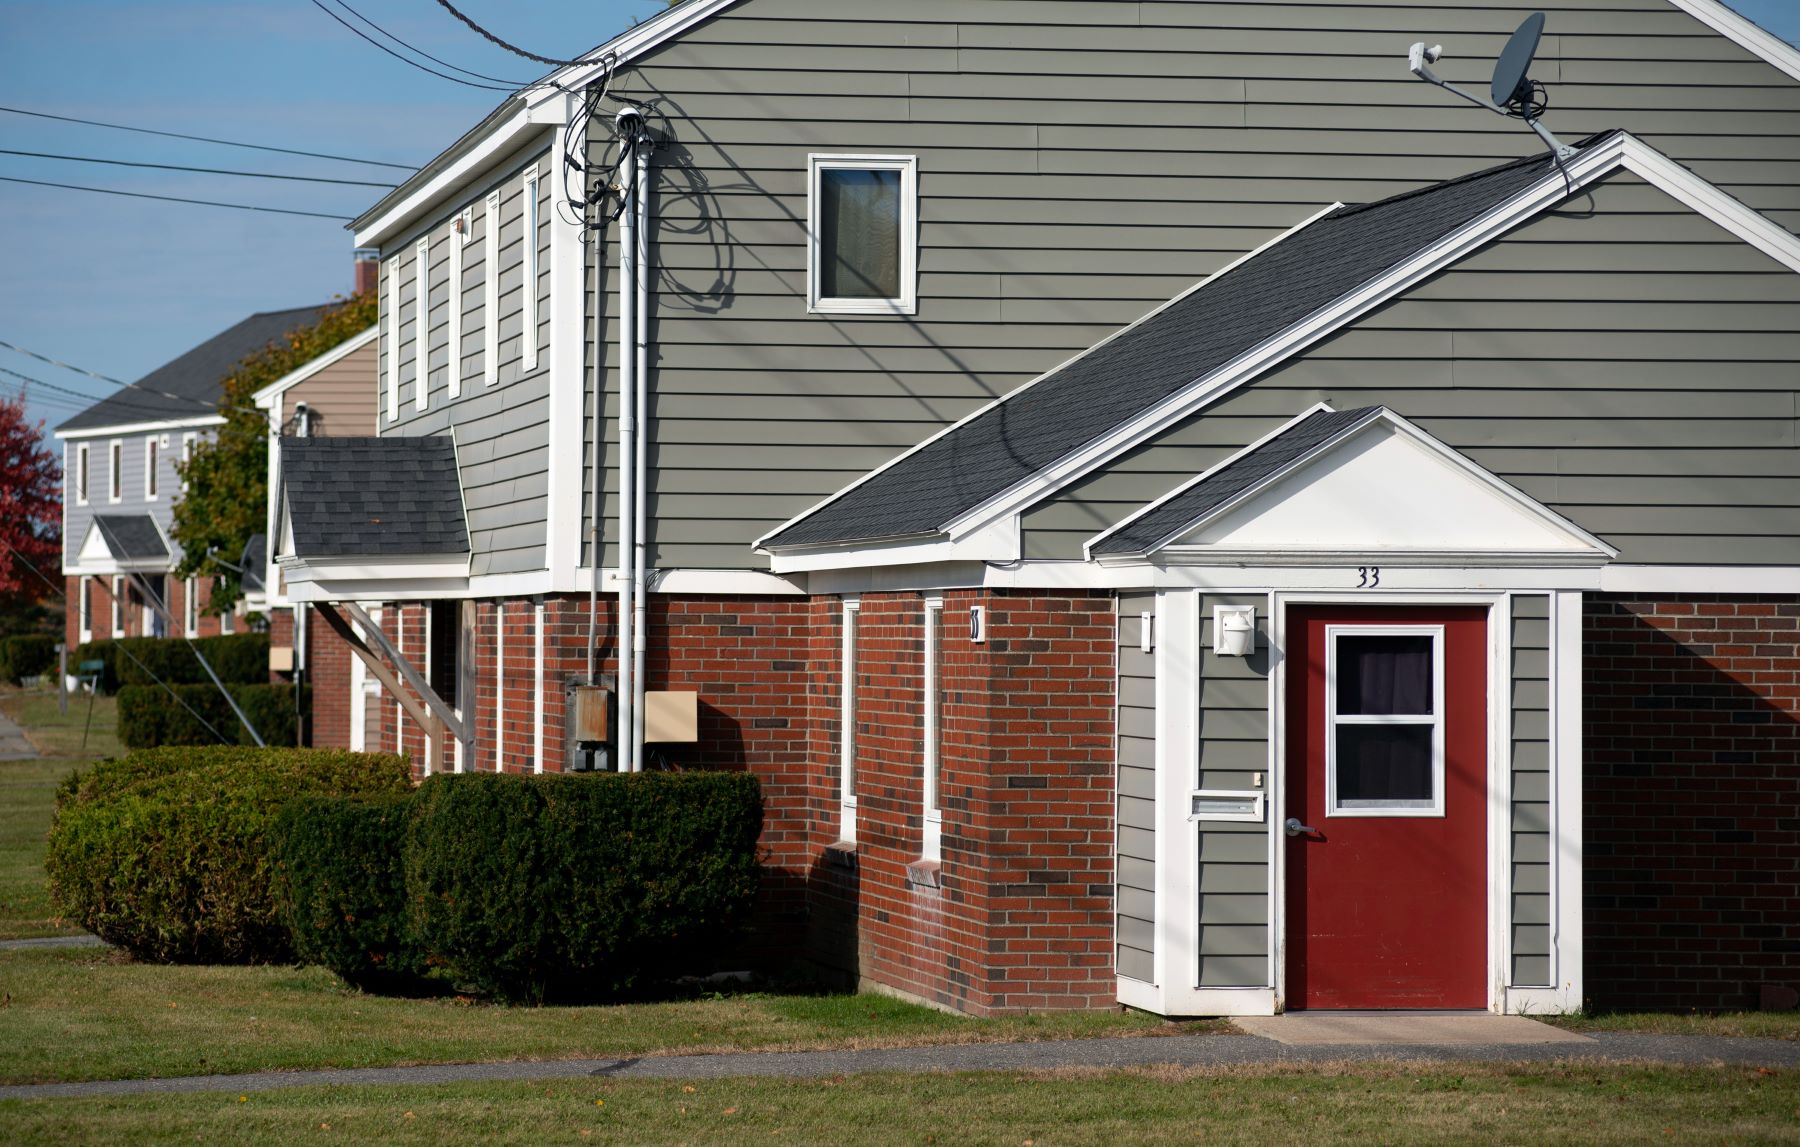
(368, 271)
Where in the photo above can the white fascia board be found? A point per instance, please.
(307, 591)
(1619, 151)
(1700, 579)
(628, 46)
(997, 542)
(127, 428)
(758, 545)
(507, 135)
(1744, 33)
(265, 397)
(399, 568)
(107, 567)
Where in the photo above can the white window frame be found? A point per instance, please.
(150, 461)
(85, 609)
(847, 724)
(490, 292)
(528, 212)
(190, 608)
(422, 323)
(226, 621)
(115, 471)
(187, 453)
(907, 303)
(932, 844)
(81, 473)
(118, 607)
(461, 232)
(1333, 720)
(390, 323)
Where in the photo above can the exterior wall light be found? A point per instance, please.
(1234, 630)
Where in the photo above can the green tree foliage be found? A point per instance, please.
(227, 478)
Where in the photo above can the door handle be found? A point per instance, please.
(1295, 828)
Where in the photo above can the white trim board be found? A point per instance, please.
(126, 429)
(1744, 33)
(1622, 151)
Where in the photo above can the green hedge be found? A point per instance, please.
(166, 852)
(28, 655)
(149, 716)
(563, 887)
(106, 650)
(341, 882)
(238, 659)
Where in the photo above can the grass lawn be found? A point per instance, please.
(1764, 1025)
(90, 1014)
(1284, 1104)
(59, 734)
(26, 789)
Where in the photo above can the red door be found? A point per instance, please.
(1387, 779)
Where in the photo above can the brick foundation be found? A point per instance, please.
(1692, 817)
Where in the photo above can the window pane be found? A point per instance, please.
(1384, 766)
(1384, 675)
(859, 251)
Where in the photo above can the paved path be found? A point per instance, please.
(13, 745)
(79, 940)
(1191, 1051)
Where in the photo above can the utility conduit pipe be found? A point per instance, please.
(629, 124)
(640, 625)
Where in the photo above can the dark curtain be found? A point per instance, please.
(1384, 675)
(859, 248)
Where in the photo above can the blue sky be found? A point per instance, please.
(122, 285)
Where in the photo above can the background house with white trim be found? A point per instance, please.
(1024, 571)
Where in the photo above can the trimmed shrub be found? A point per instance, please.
(238, 659)
(565, 887)
(28, 655)
(341, 883)
(166, 853)
(149, 716)
(107, 650)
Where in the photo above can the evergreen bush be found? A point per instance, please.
(238, 659)
(571, 886)
(166, 853)
(27, 655)
(150, 715)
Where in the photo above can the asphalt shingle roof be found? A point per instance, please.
(1039, 424)
(1312, 433)
(131, 537)
(189, 386)
(373, 497)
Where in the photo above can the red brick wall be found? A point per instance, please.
(101, 589)
(1692, 817)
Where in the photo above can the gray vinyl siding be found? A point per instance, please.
(1078, 164)
(1634, 371)
(1137, 791)
(78, 518)
(1530, 688)
(502, 431)
(1234, 856)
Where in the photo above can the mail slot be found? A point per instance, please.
(1227, 804)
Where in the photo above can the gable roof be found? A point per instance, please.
(969, 479)
(1190, 338)
(373, 497)
(189, 387)
(123, 539)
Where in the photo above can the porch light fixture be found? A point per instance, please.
(1234, 630)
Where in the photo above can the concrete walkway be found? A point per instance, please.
(13, 745)
(78, 940)
(1187, 1051)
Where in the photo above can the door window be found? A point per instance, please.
(1384, 702)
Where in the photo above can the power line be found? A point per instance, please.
(421, 51)
(423, 68)
(203, 170)
(58, 362)
(113, 400)
(497, 41)
(209, 139)
(175, 199)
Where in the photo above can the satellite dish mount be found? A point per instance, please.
(1514, 93)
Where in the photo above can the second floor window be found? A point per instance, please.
(150, 469)
(862, 234)
(115, 465)
(81, 474)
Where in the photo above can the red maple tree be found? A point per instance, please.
(30, 510)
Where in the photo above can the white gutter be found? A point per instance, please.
(640, 625)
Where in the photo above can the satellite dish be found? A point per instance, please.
(1511, 83)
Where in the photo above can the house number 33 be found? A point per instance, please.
(1370, 577)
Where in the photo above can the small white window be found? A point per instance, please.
(862, 224)
(118, 607)
(225, 622)
(81, 474)
(1384, 718)
(190, 608)
(115, 478)
(150, 460)
(460, 228)
(390, 325)
(187, 454)
(490, 292)
(933, 722)
(422, 323)
(87, 610)
(847, 726)
(529, 336)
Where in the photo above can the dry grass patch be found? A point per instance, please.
(1756, 1025)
